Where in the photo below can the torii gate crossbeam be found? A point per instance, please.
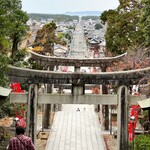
(34, 77)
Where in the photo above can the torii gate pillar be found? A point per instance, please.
(122, 119)
(32, 112)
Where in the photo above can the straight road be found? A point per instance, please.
(78, 47)
(76, 130)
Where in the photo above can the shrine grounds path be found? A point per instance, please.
(76, 130)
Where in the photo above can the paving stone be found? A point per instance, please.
(74, 130)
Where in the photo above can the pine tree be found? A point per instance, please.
(46, 38)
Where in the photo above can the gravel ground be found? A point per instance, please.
(40, 144)
(110, 141)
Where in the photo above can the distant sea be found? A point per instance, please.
(84, 13)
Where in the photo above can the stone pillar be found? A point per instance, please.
(60, 89)
(105, 108)
(32, 112)
(77, 69)
(104, 112)
(28, 109)
(122, 119)
(48, 110)
(78, 90)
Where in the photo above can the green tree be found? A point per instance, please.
(142, 142)
(68, 36)
(4, 25)
(106, 14)
(98, 26)
(12, 29)
(3, 69)
(60, 35)
(54, 17)
(123, 26)
(145, 21)
(61, 39)
(46, 38)
(89, 17)
(18, 27)
(4, 40)
(12, 25)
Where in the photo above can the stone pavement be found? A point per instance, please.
(76, 130)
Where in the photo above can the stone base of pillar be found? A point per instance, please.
(47, 117)
(59, 107)
(101, 115)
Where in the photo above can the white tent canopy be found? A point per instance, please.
(144, 103)
(4, 91)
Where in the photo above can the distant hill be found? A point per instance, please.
(84, 13)
(54, 17)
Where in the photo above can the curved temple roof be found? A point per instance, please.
(56, 61)
(24, 75)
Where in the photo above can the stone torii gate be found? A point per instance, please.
(78, 96)
(50, 62)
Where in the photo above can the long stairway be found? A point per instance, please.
(76, 130)
(73, 129)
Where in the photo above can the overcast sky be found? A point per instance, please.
(62, 6)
